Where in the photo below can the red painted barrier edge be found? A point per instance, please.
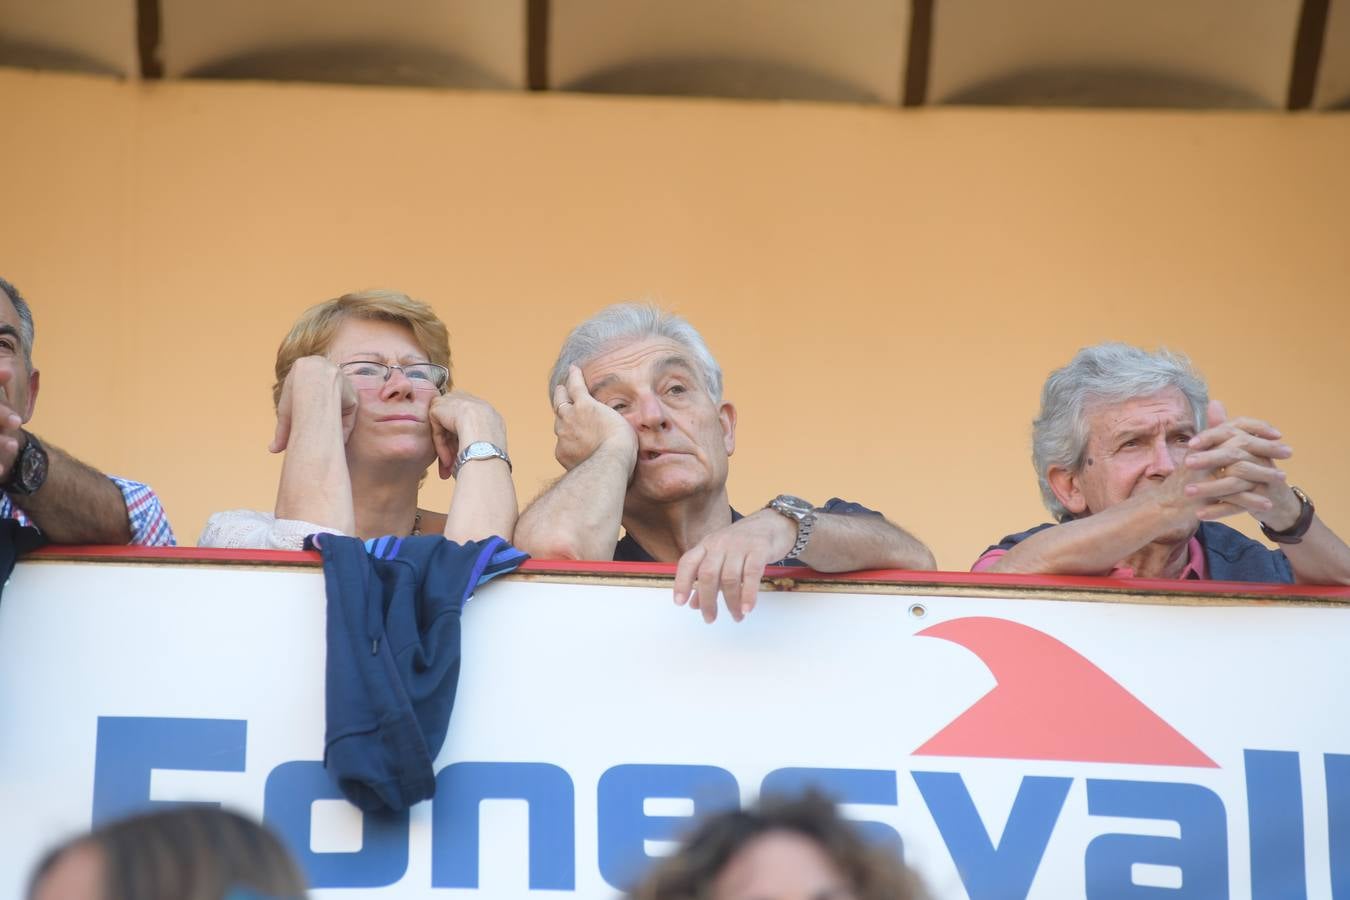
(667, 570)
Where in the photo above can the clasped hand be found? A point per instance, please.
(1230, 468)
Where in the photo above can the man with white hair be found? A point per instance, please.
(1135, 461)
(645, 437)
(41, 484)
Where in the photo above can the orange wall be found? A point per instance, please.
(886, 290)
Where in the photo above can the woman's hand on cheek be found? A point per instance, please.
(459, 419)
(311, 380)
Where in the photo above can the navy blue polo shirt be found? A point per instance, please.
(629, 550)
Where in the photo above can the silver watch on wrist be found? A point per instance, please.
(479, 450)
(800, 511)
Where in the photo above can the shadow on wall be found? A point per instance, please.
(1106, 87)
(24, 55)
(357, 63)
(720, 77)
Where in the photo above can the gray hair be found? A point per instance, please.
(624, 323)
(1104, 373)
(25, 320)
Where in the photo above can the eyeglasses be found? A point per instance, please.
(424, 376)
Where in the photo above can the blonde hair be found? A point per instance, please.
(313, 331)
(188, 853)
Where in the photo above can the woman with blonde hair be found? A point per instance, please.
(189, 853)
(364, 405)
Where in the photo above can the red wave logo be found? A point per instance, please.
(1050, 702)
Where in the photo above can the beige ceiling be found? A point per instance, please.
(1333, 83)
(1095, 52)
(74, 35)
(837, 50)
(1264, 54)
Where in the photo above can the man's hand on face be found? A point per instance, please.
(304, 388)
(11, 440)
(1239, 457)
(457, 420)
(731, 561)
(584, 425)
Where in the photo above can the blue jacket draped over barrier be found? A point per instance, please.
(394, 608)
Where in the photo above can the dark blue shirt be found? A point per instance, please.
(629, 550)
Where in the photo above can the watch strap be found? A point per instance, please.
(804, 528)
(479, 450)
(29, 470)
(801, 512)
(1294, 533)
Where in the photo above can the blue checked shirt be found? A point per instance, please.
(149, 525)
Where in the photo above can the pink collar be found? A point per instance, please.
(1194, 569)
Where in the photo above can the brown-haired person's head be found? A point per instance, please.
(188, 853)
(784, 849)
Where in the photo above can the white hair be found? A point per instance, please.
(625, 323)
(1103, 373)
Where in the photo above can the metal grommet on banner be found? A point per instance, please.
(918, 610)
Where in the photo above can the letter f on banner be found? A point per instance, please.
(129, 747)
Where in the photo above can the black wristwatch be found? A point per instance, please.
(1294, 533)
(30, 468)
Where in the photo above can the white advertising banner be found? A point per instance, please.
(1015, 746)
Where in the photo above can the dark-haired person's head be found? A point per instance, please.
(188, 853)
(796, 848)
(19, 383)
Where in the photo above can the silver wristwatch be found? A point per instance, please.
(802, 512)
(479, 450)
